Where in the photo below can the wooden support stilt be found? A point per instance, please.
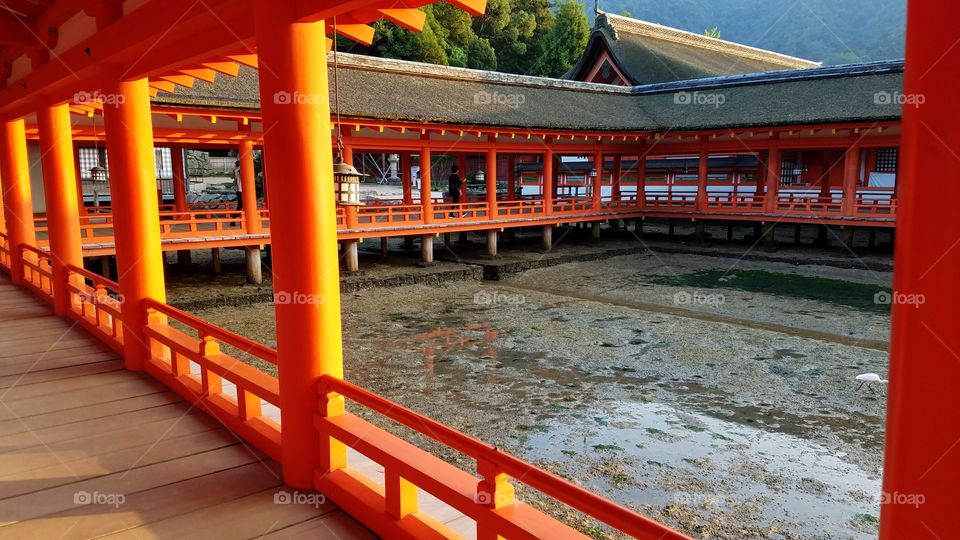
(351, 255)
(492, 243)
(426, 249)
(595, 231)
(215, 255)
(254, 265)
(546, 240)
(384, 247)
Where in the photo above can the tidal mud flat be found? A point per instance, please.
(720, 428)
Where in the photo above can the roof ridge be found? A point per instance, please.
(420, 69)
(771, 77)
(675, 35)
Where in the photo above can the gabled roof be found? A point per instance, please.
(651, 53)
(385, 89)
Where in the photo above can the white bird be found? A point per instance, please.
(869, 378)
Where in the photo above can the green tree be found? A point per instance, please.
(480, 55)
(565, 41)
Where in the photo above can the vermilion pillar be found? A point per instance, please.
(511, 177)
(405, 178)
(642, 180)
(491, 177)
(462, 161)
(851, 174)
(60, 192)
(772, 174)
(18, 206)
(921, 479)
(703, 172)
(548, 181)
(179, 178)
(597, 188)
(303, 230)
(615, 179)
(248, 184)
(426, 185)
(136, 214)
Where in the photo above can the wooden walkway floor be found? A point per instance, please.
(88, 449)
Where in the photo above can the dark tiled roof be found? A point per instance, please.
(407, 91)
(650, 53)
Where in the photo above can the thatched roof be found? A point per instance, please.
(649, 53)
(407, 91)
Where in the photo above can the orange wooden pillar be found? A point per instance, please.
(597, 181)
(60, 192)
(179, 178)
(248, 184)
(405, 178)
(133, 194)
(642, 180)
(616, 178)
(548, 180)
(18, 205)
(303, 231)
(851, 175)
(703, 174)
(491, 178)
(921, 478)
(462, 163)
(511, 177)
(426, 185)
(761, 180)
(772, 179)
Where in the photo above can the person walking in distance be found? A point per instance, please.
(456, 183)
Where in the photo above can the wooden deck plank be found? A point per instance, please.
(61, 499)
(135, 386)
(52, 360)
(99, 411)
(252, 516)
(146, 507)
(66, 372)
(94, 427)
(73, 422)
(60, 473)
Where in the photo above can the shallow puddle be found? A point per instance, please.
(783, 478)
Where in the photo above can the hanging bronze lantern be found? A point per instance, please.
(98, 174)
(346, 181)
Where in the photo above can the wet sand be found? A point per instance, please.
(721, 429)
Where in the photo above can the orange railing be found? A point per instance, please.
(385, 215)
(809, 204)
(730, 202)
(488, 500)
(174, 224)
(672, 200)
(37, 272)
(876, 207)
(521, 208)
(447, 211)
(4, 251)
(95, 304)
(186, 355)
(572, 205)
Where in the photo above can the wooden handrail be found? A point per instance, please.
(609, 512)
(206, 329)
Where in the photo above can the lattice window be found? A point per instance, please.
(887, 160)
(163, 163)
(88, 160)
